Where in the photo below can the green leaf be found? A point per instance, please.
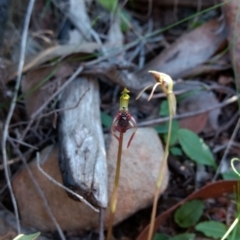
(235, 234)
(187, 94)
(183, 236)
(196, 24)
(160, 236)
(195, 148)
(176, 151)
(189, 213)
(27, 237)
(164, 110)
(125, 21)
(212, 229)
(161, 129)
(106, 120)
(108, 4)
(174, 132)
(230, 175)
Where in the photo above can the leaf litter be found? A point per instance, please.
(183, 52)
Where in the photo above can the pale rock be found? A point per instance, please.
(139, 169)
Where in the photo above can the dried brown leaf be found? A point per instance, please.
(41, 83)
(51, 53)
(232, 18)
(211, 190)
(188, 52)
(198, 100)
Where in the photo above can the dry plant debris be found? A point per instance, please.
(134, 192)
(116, 43)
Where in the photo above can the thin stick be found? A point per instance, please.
(74, 75)
(45, 202)
(12, 107)
(23, 143)
(226, 151)
(35, 114)
(64, 109)
(190, 114)
(113, 203)
(79, 197)
(101, 225)
(41, 194)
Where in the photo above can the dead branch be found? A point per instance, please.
(12, 107)
(81, 146)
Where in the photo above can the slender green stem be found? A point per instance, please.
(161, 172)
(113, 203)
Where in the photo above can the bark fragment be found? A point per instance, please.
(82, 156)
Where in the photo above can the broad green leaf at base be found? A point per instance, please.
(160, 236)
(212, 229)
(189, 213)
(230, 175)
(195, 148)
(176, 151)
(183, 236)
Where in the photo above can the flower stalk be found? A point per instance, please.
(121, 123)
(113, 203)
(166, 84)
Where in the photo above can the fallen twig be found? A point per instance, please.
(189, 114)
(63, 187)
(12, 107)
